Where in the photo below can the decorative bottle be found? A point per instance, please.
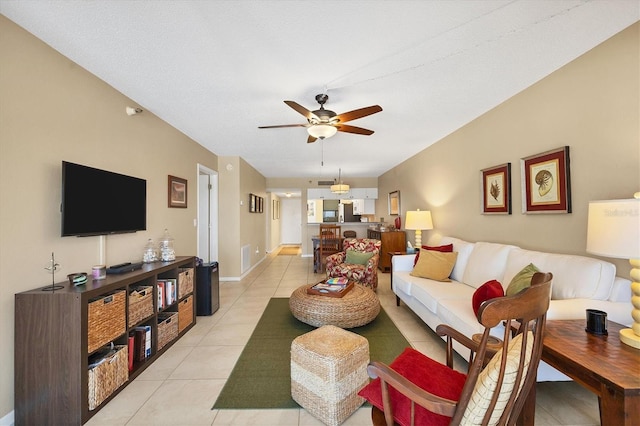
(167, 253)
(150, 253)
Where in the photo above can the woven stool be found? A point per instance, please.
(328, 368)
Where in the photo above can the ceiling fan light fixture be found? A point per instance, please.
(322, 131)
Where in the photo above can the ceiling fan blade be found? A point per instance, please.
(358, 113)
(282, 125)
(311, 139)
(302, 110)
(353, 129)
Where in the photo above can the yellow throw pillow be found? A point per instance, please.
(521, 280)
(435, 265)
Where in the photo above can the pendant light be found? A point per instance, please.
(340, 188)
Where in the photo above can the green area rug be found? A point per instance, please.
(262, 375)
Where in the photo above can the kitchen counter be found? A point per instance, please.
(359, 227)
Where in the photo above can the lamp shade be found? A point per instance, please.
(340, 188)
(613, 228)
(322, 131)
(418, 220)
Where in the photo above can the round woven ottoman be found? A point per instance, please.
(358, 307)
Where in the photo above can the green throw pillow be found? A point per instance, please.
(358, 257)
(521, 280)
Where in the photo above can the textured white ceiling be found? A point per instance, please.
(216, 70)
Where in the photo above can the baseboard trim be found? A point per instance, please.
(8, 420)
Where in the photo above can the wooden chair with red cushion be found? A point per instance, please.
(416, 390)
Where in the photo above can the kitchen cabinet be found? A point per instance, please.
(369, 206)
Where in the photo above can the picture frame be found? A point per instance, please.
(177, 192)
(496, 189)
(277, 209)
(252, 203)
(394, 203)
(546, 182)
(260, 204)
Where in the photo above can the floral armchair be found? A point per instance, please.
(365, 271)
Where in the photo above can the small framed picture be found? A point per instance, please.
(496, 189)
(260, 204)
(394, 202)
(252, 203)
(546, 182)
(177, 189)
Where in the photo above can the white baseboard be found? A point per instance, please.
(240, 277)
(8, 420)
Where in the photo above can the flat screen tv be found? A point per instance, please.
(98, 202)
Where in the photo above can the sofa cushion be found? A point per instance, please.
(487, 262)
(358, 258)
(521, 280)
(489, 290)
(435, 265)
(573, 276)
(445, 249)
(458, 313)
(464, 249)
(431, 293)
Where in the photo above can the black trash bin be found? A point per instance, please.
(207, 288)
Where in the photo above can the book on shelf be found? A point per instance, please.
(170, 291)
(160, 294)
(131, 349)
(143, 342)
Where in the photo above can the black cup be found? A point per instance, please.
(596, 322)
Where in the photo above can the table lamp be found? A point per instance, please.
(417, 221)
(613, 230)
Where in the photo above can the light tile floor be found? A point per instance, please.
(182, 385)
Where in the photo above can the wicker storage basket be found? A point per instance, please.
(106, 319)
(167, 328)
(140, 304)
(185, 313)
(105, 378)
(185, 282)
(328, 368)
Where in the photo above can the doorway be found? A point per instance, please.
(207, 214)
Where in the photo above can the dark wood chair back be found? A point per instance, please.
(513, 360)
(330, 242)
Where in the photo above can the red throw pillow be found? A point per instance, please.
(486, 291)
(429, 375)
(445, 249)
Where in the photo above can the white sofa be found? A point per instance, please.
(578, 283)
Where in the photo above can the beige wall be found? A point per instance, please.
(53, 110)
(590, 105)
(253, 229)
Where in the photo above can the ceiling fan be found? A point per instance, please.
(324, 123)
